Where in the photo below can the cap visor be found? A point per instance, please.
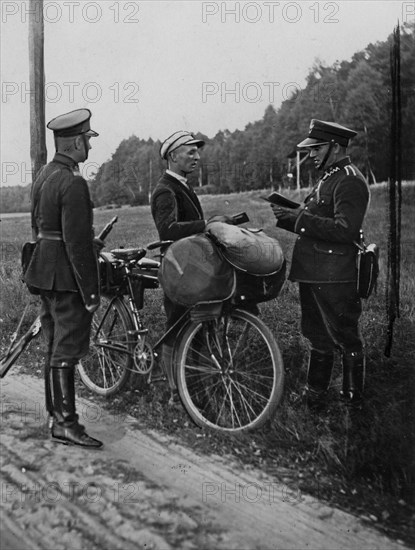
(91, 133)
(311, 142)
(197, 142)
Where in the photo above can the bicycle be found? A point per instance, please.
(227, 364)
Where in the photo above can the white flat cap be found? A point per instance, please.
(178, 139)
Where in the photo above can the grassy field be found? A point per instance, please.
(362, 462)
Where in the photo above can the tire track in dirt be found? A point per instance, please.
(143, 490)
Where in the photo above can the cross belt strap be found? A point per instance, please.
(50, 235)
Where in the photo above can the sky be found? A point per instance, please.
(150, 68)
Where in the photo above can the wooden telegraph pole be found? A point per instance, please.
(38, 153)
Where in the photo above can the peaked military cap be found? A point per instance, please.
(178, 139)
(72, 124)
(321, 132)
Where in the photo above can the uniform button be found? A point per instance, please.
(302, 230)
(330, 251)
(93, 296)
(306, 208)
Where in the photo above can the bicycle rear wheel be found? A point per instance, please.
(230, 373)
(106, 369)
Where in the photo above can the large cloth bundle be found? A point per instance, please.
(250, 250)
(193, 271)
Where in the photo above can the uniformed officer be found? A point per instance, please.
(64, 269)
(177, 213)
(324, 261)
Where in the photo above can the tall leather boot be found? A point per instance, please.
(66, 428)
(353, 377)
(320, 367)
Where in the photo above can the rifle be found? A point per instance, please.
(16, 347)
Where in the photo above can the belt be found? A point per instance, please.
(50, 235)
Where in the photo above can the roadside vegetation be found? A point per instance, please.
(361, 461)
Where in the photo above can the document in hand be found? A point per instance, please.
(276, 198)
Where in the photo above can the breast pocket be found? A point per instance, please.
(325, 205)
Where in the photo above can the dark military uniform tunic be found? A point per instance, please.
(324, 257)
(64, 264)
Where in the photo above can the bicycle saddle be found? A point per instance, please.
(128, 254)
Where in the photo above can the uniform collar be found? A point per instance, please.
(64, 159)
(339, 164)
(182, 179)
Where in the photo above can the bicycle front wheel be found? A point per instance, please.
(106, 369)
(230, 373)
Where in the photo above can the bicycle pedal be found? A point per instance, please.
(159, 378)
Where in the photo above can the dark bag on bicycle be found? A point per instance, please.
(111, 273)
(256, 289)
(367, 263)
(193, 270)
(26, 257)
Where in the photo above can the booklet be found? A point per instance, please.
(276, 198)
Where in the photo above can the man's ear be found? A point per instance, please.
(78, 143)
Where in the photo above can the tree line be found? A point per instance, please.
(355, 93)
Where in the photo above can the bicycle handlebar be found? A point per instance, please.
(158, 244)
(107, 229)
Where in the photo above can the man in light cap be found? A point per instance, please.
(64, 269)
(177, 213)
(324, 262)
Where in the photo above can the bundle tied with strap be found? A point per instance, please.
(250, 250)
(194, 271)
(258, 259)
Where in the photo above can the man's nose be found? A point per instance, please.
(313, 153)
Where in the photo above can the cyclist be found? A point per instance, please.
(177, 213)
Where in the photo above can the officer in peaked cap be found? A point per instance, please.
(324, 262)
(64, 269)
(177, 213)
(326, 133)
(75, 123)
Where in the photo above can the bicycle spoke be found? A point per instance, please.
(230, 378)
(106, 369)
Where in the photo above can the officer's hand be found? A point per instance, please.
(286, 214)
(94, 303)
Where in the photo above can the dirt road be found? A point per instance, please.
(143, 490)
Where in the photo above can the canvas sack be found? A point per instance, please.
(193, 270)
